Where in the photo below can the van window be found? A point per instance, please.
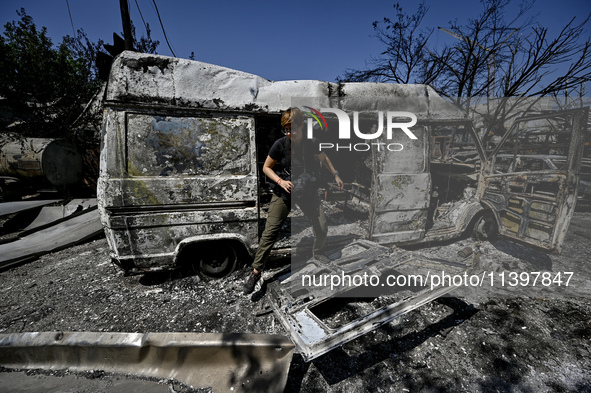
(173, 146)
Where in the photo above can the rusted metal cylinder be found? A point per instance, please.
(51, 161)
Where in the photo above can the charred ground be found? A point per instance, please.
(485, 341)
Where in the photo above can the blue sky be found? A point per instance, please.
(275, 40)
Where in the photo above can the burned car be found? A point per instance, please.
(183, 144)
(534, 163)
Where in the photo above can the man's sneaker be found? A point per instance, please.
(251, 282)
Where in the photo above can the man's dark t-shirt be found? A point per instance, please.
(295, 160)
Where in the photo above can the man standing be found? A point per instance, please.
(298, 156)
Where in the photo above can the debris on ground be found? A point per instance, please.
(470, 341)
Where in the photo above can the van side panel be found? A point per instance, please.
(171, 178)
(401, 191)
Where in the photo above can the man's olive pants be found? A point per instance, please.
(278, 212)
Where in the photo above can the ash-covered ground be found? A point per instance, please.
(482, 340)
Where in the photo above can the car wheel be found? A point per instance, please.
(216, 260)
(485, 227)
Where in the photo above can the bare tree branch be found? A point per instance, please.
(494, 55)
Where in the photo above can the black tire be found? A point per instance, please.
(485, 227)
(216, 259)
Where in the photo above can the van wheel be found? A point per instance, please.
(216, 260)
(485, 227)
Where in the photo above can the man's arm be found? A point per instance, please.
(268, 170)
(328, 164)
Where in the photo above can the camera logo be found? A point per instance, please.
(394, 120)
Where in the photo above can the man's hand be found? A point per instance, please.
(286, 185)
(339, 182)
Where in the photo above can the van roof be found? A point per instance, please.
(161, 80)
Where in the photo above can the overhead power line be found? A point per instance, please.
(71, 21)
(141, 16)
(163, 31)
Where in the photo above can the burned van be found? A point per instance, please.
(183, 144)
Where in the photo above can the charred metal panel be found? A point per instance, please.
(527, 205)
(401, 191)
(73, 230)
(298, 305)
(18, 206)
(146, 191)
(162, 81)
(141, 236)
(167, 81)
(453, 218)
(421, 100)
(113, 146)
(279, 95)
(532, 198)
(166, 179)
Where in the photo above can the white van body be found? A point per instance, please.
(183, 144)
